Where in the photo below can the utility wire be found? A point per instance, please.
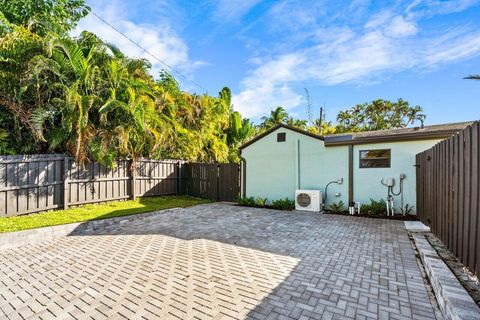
(148, 52)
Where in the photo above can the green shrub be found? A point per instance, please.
(283, 204)
(337, 207)
(246, 201)
(407, 210)
(375, 208)
(261, 202)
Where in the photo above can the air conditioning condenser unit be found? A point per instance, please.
(308, 200)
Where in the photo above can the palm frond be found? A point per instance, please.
(473, 77)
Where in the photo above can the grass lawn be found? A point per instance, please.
(96, 211)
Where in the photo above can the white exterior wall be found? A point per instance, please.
(366, 181)
(273, 168)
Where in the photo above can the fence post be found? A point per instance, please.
(218, 182)
(66, 185)
(133, 175)
(179, 178)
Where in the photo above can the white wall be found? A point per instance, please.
(271, 168)
(366, 181)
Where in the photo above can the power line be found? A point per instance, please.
(148, 52)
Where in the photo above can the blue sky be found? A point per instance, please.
(343, 52)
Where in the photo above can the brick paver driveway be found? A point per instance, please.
(220, 261)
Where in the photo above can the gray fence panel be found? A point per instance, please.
(36, 183)
(448, 193)
(215, 181)
(30, 183)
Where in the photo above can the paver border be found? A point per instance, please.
(453, 299)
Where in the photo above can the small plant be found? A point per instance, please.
(261, 202)
(337, 207)
(407, 210)
(246, 201)
(283, 204)
(375, 208)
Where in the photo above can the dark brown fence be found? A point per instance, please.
(448, 193)
(220, 182)
(52, 181)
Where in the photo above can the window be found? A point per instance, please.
(281, 136)
(375, 158)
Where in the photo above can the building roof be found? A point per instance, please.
(278, 126)
(438, 131)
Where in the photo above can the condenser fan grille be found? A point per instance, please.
(303, 199)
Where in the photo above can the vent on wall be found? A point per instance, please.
(281, 136)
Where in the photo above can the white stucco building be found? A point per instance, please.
(284, 159)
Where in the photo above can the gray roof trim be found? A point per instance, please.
(404, 134)
(278, 126)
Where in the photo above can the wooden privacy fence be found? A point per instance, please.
(54, 181)
(220, 182)
(448, 193)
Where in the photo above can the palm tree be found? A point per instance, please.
(73, 87)
(277, 116)
(16, 49)
(298, 123)
(473, 77)
(86, 97)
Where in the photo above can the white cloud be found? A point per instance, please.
(160, 39)
(399, 27)
(387, 43)
(231, 10)
(419, 8)
(451, 48)
(267, 86)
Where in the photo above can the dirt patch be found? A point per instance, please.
(469, 281)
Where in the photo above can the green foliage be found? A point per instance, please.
(326, 127)
(337, 207)
(374, 208)
(298, 123)
(253, 202)
(283, 204)
(86, 98)
(247, 201)
(59, 16)
(261, 202)
(377, 115)
(95, 212)
(407, 210)
(473, 77)
(277, 116)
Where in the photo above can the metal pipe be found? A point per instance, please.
(338, 181)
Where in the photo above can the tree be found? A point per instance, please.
(377, 115)
(68, 77)
(85, 97)
(473, 77)
(17, 48)
(297, 123)
(327, 127)
(277, 116)
(239, 131)
(58, 16)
